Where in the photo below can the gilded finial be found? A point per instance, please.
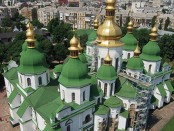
(130, 27)
(137, 51)
(96, 23)
(110, 6)
(30, 36)
(108, 60)
(74, 47)
(153, 34)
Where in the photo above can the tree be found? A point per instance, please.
(166, 44)
(153, 21)
(83, 40)
(34, 14)
(7, 22)
(167, 23)
(60, 52)
(36, 23)
(53, 24)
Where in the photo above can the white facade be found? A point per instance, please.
(127, 54)
(115, 53)
(152, 67)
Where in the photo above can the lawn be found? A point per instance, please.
(169, 126)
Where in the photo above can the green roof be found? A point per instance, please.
(169, 86)
(92, 36)
(154, 100)
(161, 90)
(135, 63)
(49, 128)
(32, 62)
(130, 42)
(106, 72)
(102, 110)
(151, 52)
(83, 31)
(125, 88)
(29, 89)
(113, 102)
(12, 96)
(82, 58)
(74, 74)
(11, 74)
(58, 68)
(124, 113)
(22, 108)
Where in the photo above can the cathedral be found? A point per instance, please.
(109, 87)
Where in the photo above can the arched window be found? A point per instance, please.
(63, 94)
(47, 77)
(87, 118)
(150, 66)
(73, 96)
(102, 61)
(40, 80)
(28, 81)
(111, 89)
(99, 84)
(116, 64)
(68, 122)
(105, 89)
(84, 96)
(68, 128)
(128, 55)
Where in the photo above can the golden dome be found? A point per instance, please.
(137, 50)
(110, 1)
(153, 34)
(130, 27)
(30, 33)
(74, 43)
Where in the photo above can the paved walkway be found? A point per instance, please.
(162, 116)
(4, 113)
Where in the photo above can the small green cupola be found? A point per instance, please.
(135, 63)
(151, 51)
(107, 71)
(129, 40)
(74, 72)
(32, 61)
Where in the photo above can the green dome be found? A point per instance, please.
(74, 74)
(32, 62)
(106, 72)
(151, 52)
(113, 102)
(92, 36)
(135, 63)
(130, 42)
(58, 68)
(82, 58)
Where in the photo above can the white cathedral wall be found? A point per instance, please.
(16, 101)
(27, 115)
(98, 119)
(122, 123)
(155, 66)
(28, 126)
(8, 87)
(125, 54)
(77, 121)
(108, 87)
(34, 80)
(114, 112)
(159, 97)
(167, 99)
(63, 113)
(114, 54)
(14, 115)
(127, 102)
(66, 94)
(89, 50)
(40, 122)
